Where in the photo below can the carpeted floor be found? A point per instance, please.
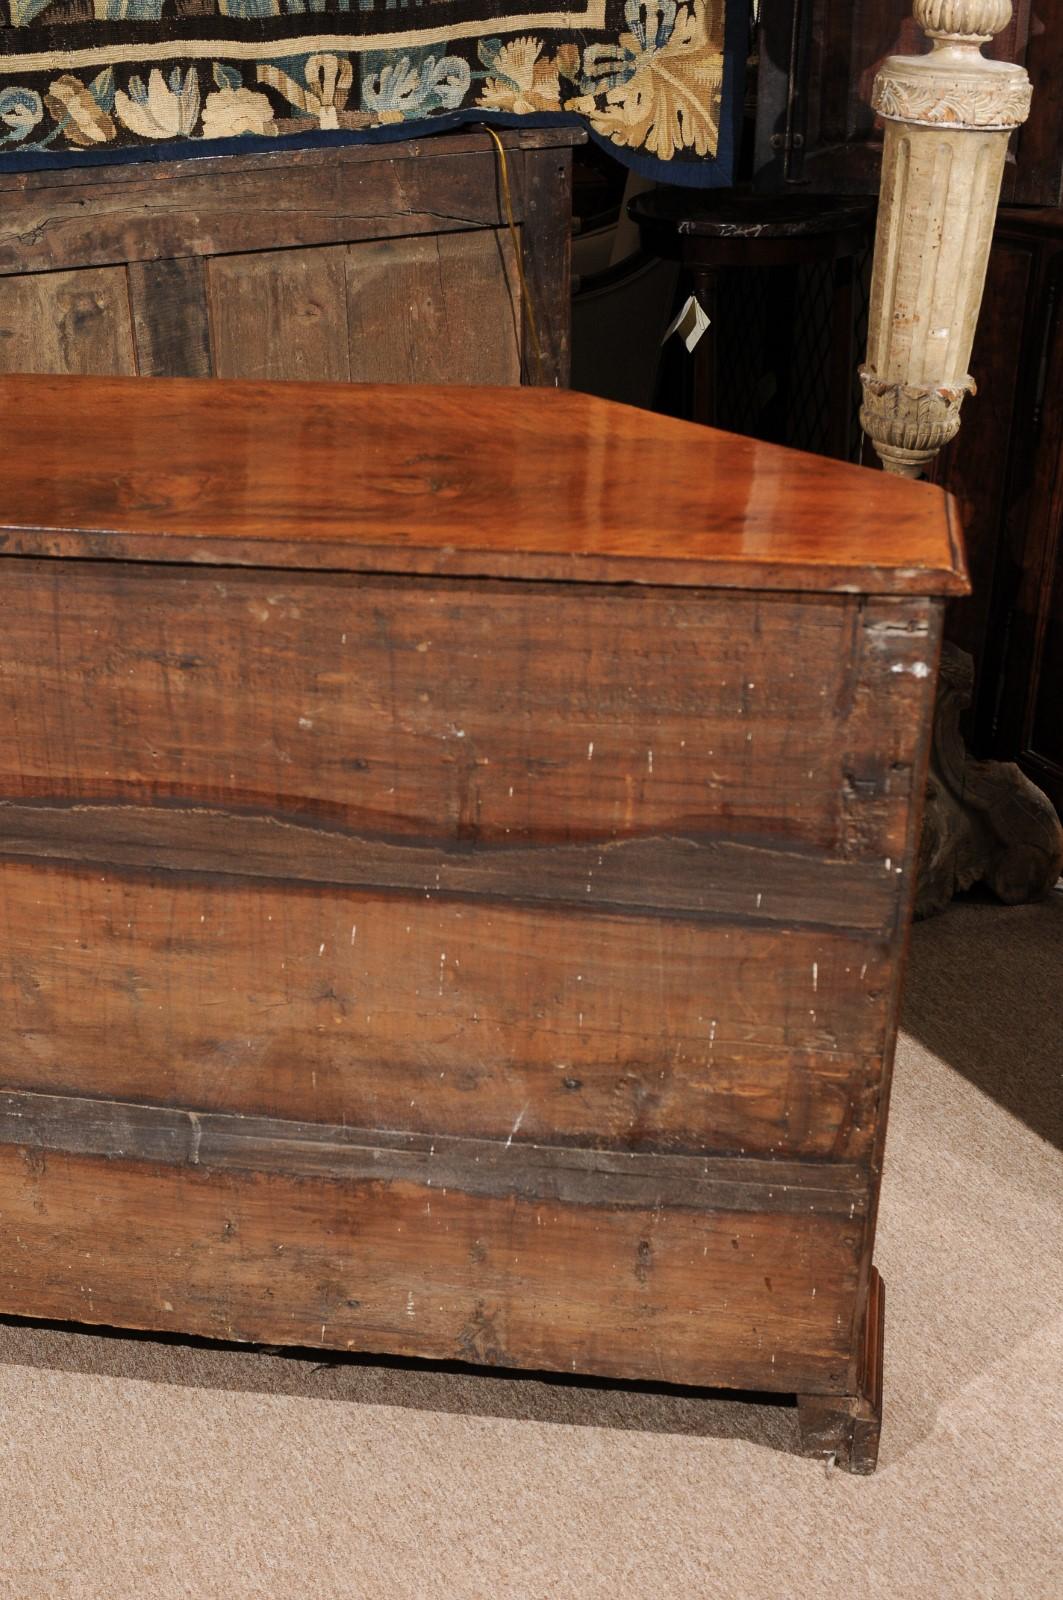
(140, 1468)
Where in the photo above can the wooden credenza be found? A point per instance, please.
(380, 263)
(456, 858)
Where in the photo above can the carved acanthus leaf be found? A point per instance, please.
(971, 100)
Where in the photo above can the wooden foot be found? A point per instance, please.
(984, 821)
(845, 1427)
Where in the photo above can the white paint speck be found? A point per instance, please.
(306, 722)
(516, 1125)
(815, 976)
(354, 931)
(590, 753)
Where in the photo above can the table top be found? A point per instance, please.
(507, 483)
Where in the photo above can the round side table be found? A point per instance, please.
(708, 232)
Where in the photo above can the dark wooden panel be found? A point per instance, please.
(696, 877)
(66, 322)
(1038, 171)
(170, 318)
(280, 314)
(444, 309)
(462, 712)
(1030, 704)
(547, 244)
(641, 1291)
(439, 1016)
(1005, 467)
(977, 465)
(223, 1142)
(488, 482)
(820, 92)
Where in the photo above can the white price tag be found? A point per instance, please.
(690, 324)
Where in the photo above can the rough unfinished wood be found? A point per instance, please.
(272, 692)
(388, 263)
(409, 1269)
(66, 322)
(280, 314)
(144, 211)
(171, 323)
(420, 309)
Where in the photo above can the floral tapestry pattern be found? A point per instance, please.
(651, 78)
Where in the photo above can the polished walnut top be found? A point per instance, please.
(519, 483)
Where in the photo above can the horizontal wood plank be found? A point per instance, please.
(444, 712)
(651, 1291)
(700, 878)
(578, 1177)
(120, 214)
(441, 1017)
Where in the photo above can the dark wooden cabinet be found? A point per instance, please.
(817, 62)
(1006, 466)
(382, 263)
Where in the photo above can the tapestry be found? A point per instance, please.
(656, 81)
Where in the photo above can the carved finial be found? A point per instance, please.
(962, 22)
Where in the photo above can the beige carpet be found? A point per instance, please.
(144, 1469)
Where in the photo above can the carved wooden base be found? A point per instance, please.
(984, 821)
(844, 1428)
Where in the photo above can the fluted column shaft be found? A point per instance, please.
(948, 116)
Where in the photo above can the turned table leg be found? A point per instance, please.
(846, 1426)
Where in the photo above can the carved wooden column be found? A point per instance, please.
(948, 116)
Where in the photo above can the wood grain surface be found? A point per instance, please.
(393, 1263)
(478, 481)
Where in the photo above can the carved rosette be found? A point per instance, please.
(947, 119)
